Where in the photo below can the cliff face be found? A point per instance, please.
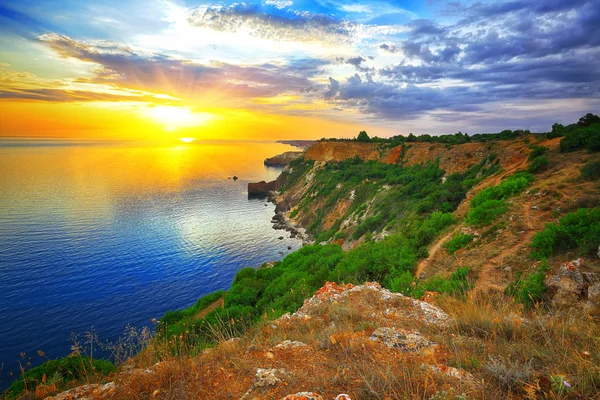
(455, 158)
(283, 159)
(340, 151)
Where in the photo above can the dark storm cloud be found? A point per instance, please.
(517, 50)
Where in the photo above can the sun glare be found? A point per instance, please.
(187, 139)
(173, 117)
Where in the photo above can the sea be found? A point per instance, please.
(96, 236)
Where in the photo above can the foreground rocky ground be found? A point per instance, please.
(364, 342)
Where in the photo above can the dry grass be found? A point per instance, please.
(510, 353)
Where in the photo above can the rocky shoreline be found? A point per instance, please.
(281, 221)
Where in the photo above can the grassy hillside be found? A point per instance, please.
(477, 241)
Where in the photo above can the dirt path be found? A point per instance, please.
(490, 276)
(433, 251)
(202, 313)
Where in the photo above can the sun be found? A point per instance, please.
(187, 139)
(176, 117)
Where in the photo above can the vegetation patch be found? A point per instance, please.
(458, 242)
(529, 290)
(591, 171)
(490, 203)
(585, 134)
(456, 285)
(56, 375)
(577, 230)
(538, 164)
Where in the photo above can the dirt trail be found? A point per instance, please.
(490, 276)
(433, 251)
(202, 313)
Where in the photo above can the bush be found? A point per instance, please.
(538, 164)
(530, 290)
(591, 171)
(577, 230)
(485, 213)
(457, 242)
(489, 203)
(581, 137)
(457, 285)
(537, 151)
(513, 185)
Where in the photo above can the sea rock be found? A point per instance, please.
(261, 188)
(404, 340)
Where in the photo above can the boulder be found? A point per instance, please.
(567, 286)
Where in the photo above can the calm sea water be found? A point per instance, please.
(106, 235)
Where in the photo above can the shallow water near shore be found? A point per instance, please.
(104, 235)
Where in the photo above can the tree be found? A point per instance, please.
(588, 119)
(363, 137)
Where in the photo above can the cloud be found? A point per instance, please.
(279, 4)
(121, 66)
(388, 48)
(289, 26)
(498, 52)
(61, 95)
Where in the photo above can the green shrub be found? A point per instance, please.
(530, 290)
(489, 203)
(486, 212)
(60, 372)
(577, 230)
(457, 285)
(538, 164)
(511, 186)
(458, 242)
(581, 137)
(591, 171)
(537, 151)
(172, 317)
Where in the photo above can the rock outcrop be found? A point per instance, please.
(451, 159)
(92, 391)
(340, 151)
(403, 340)
(388, 305)
(262, 187)
(570, 287)
(283, 159)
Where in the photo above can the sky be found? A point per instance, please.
(283, 69)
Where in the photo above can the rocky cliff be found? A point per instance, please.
(283, 159)
(452, 158)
